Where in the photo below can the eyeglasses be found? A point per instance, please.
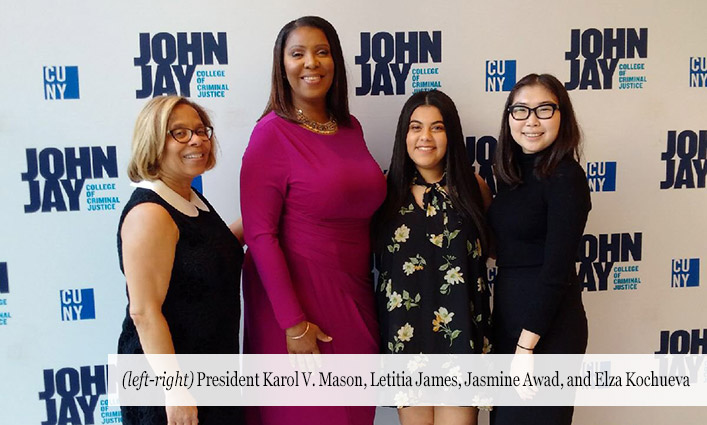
(543, 112)
(183, 135)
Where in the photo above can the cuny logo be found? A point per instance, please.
(393, 57)
(78, 393)
(698, 72)
(601, 176)
(500, 75)
(481, 152)
(63, 175)
(491, 273)
(176, 60)
(594, 57)
(61, 82)
(599, 253)
(77, 304)
(685, 272)
(691, 152)
(683, 342)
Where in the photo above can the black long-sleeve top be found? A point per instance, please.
(540, 223)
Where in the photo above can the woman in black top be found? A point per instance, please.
(181, 263)
(538, 218)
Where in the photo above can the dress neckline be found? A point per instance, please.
(189, 208)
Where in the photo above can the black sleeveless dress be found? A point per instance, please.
(202, 305)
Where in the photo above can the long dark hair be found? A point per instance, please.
(567, 143)
(280, 101)
(462, 186)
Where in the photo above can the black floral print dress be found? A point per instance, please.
(432, 293)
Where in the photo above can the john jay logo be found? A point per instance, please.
(4, 289)
(601, 176)
(598, 255)
(500, 75)
(393, 57)
(77, 304)
(689, 169)
(595, 55)
(683, 342)
(176, 60)
(4, 283)
(63, 175)
(61, 82)
(71, 396)
(685, 272)
(481, 152)
(698, 72)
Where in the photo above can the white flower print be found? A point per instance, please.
(454, 276)
(408, 268)
(437, 239)
(402, 234)
(431, 211)
(395, 300)
(444, 315)
(405, 333)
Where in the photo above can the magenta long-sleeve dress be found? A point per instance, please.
(307, 201)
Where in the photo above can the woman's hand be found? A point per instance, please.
(307, 344)
(181, 415)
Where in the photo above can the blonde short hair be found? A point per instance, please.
(150, 134)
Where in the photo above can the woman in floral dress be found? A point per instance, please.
(430, 243)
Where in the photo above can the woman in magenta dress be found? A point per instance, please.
(309, 187)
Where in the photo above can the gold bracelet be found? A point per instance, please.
(303, 333)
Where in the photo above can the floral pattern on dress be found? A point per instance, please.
(431, 251)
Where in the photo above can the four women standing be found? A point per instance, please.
(309, 188)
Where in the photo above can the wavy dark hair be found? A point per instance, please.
(462, 186)
(280, 101)
(567, 143)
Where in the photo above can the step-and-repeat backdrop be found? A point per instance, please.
(75, 74)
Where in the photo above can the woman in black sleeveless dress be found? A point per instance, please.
(182, 264)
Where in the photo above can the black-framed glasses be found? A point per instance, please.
(543, 112)
(183, 135)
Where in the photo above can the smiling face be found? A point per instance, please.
(532, 134)
(427, 142)
(309, 66)
(181, 162)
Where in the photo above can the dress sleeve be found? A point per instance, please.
(265, 173)
(568, 204)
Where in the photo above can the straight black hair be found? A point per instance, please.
(462, 186)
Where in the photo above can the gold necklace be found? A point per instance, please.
(329, 127)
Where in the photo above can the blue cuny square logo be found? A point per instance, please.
(77, 304)
(4, 282)
(500, 75)
(601, 176)
(698, 72)
(61, 82)
(685, 272)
